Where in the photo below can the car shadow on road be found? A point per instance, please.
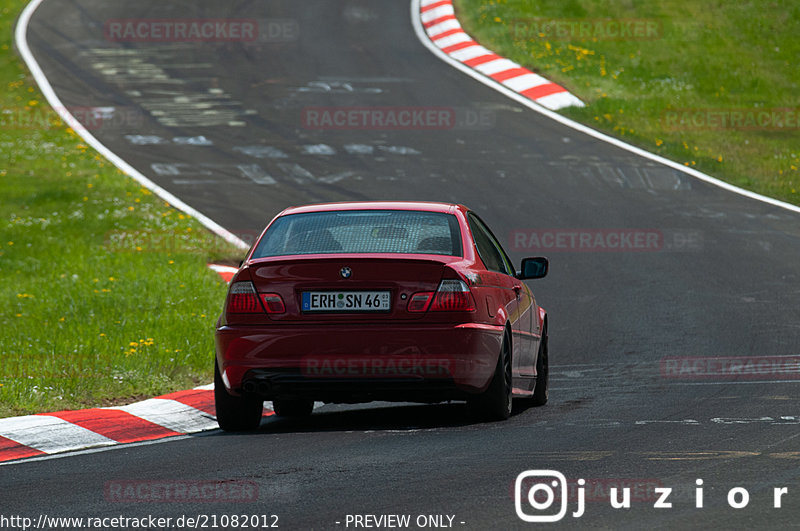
(382, 416)
(378, 416)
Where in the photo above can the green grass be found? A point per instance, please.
(707, 55)
(86, 318)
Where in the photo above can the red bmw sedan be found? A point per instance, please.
(362, 301)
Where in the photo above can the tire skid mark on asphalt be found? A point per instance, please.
(144, 74)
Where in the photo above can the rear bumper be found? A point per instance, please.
(358, 363)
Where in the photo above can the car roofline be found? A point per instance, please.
(423, 206)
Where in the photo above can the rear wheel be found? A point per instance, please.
(542, 372)
(235, 413)
(293, 408)
(495, 402)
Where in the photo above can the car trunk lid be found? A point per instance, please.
(319, 288)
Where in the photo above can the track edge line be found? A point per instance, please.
(425, 40)
(21, 41)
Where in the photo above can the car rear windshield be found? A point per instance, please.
(362, 231)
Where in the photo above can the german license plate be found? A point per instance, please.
(346, 301)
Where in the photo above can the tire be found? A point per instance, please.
(293, 408)
(235, 413)
(540, 392)
(495, 403)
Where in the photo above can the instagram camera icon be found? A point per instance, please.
(546, 482)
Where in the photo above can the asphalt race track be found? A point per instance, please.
(723, 280)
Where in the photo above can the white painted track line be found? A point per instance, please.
(21, 38)
(522, 100)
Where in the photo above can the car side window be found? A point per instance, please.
(488, 249)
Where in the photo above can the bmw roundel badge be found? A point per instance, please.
(345, 272)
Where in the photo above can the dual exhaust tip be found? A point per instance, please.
(257, 388)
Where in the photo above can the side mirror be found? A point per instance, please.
(536, 267)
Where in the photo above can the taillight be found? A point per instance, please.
(242, 298)
(273, 303)
(452, 296)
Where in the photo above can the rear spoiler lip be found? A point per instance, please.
(338, 257)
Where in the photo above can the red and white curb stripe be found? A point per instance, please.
(443, 29)
(170, 415)
(226, 272)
